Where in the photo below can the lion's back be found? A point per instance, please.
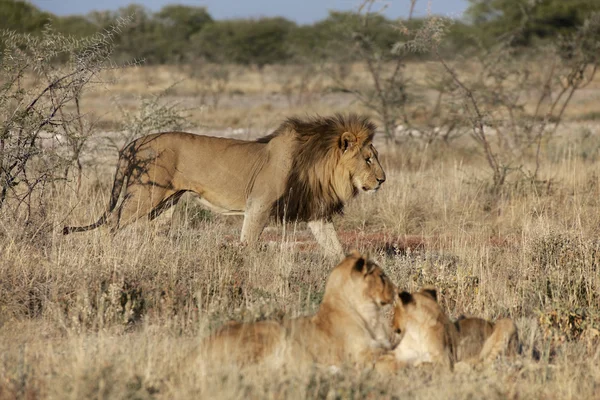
(245, 343)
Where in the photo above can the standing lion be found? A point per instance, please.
(305, 171)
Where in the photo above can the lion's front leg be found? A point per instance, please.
(256, 217)
(387, 364)
(381, 360)
(325, 235)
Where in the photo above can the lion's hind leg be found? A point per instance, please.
(141, 200)
(503, 340)
(164, 205)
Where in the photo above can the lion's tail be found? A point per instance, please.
(120, 176)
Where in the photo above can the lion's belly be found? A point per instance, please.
(218, 208)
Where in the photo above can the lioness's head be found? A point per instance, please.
(419, 308)
(360, 158)
(360, 281)
(426, 333)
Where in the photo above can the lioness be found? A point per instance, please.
(428, 335)
(349, 327)
(426, 332)
(480, 340)
(306, 170)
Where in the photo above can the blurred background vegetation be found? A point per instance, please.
(180, 34)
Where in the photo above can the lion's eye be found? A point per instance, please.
(369, 160)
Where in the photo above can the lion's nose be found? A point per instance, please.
(381, 180)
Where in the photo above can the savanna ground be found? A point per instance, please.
(95, 316)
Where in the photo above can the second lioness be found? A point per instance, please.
(305, 171)
(428, 335)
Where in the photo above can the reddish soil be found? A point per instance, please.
(379, 241)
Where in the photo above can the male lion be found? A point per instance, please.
(349, 327)
(428, 335)
(306, 170)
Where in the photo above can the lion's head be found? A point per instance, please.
(333, 159)
(420, 308)
(426, 332)
(359, 282)
(361, 160)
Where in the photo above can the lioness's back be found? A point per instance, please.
(242, 344)
(472, 333)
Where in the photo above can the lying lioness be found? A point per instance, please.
(480, 340)
(349, 327)
(428, 335)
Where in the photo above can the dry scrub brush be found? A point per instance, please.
(43, 130)
(495, 98)
(94, 315)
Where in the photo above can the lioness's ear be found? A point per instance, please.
(431, 292)
(406, 298)
(354, 253)
(370, 267)
(360, 264)
(347, 140)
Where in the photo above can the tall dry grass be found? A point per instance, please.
(95, 316)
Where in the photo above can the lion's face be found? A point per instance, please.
(365, 169)
(420, 307)
(367, 281)
(377, 286)
(360, 281)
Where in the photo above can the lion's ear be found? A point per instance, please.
(354, 253)
(431, 292)
(406, 298)
(371, 266)
(360, 265)
(347, 141)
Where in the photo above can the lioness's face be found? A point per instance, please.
(416, 306)
(379, 287)
(372, 281)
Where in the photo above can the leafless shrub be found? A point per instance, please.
(495, 98)
(42, 129)
(386, 93)
(445, 119)
(154, 114)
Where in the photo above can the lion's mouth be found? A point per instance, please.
(370, 190)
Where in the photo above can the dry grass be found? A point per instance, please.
(253, 99)
(95, 316)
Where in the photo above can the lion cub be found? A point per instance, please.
(349, 327)
(428, 335)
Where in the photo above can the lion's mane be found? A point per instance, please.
(314, 188)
